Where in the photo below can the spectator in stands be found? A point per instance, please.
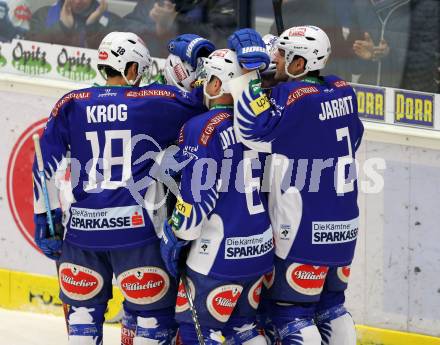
(139, 22)
(422, 65)
(409, 51)
(15, 16)
(81, 23)
(338, 20)
(213, 19)
(383, 45)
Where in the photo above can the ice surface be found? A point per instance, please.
(23, 328)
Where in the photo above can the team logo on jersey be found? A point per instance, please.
(268, 279)
(144, 285)
(254, 293)
(79, 283)
(306, 279)
(182, 301)
(343, 273)
(19, 181)
(222, 301)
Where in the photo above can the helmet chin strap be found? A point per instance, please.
(295, 76)
(207, 99)
(103, 74)
(131, 82)
(289, 60)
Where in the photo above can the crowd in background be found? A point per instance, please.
(392, 43)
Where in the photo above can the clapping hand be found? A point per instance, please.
(367, 50)
(364, 48)
(163, 15)
(94, 17)
(68, 20)
(66, 15)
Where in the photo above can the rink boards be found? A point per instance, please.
(39, 293)
(394, 282)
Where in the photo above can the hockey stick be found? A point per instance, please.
(40, 165)
(194, 316)
(278, 15)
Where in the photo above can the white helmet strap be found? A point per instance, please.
(132, 82)
(209, 97)
(129, 82)
(294, 76)
(289, 59)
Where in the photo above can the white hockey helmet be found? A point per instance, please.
(119, 48)
(179, 73)
(309, 42)
(224, 65)
(271, 42)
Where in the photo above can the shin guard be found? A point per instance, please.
(336, 326)
(85, 324)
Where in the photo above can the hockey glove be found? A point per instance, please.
(50, 246)
(190, 47)
(170, 248)
(250, 48)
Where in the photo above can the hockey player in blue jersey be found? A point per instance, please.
(310, 125)
(221, 215)
(113, 135)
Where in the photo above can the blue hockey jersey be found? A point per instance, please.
(113, 136)
(220, 206)
(312, 129)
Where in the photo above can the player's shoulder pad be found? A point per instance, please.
(212, 122)
(76, 95)
(201, 129)
(154, 90)
(336, 82)
(296, 91)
